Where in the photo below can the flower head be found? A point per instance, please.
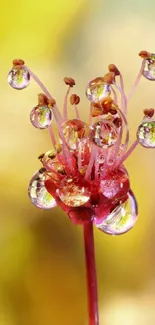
(84, 172)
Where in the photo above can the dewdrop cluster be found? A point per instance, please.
(83, 172)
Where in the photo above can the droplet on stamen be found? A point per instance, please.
(97, 89)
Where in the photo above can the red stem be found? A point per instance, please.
(91, 273)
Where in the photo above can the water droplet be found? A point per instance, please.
(122, 218)
(115, 184)
(41, 117)
(74, 192)
(97, 89)
(146, 134)
(38, 193)
(51, 162)
(19, 78)
(104, 133)
(75, 132)
(149, 68)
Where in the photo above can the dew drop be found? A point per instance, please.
(38, 194)
(97, 90)
(122, 218)
(41, 117)
(74, 191)
(115, 184)
(104, 133)
(149, 68)
(75, 133)
(146, 134)
(18, 78)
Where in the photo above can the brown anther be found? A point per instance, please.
(113, 111)
(113, 68)
(51, 155)
(149, 112)
(18, 62)
(145, 55)
(69, 81)
(96, 110)
(109, 78)
(74, 99)
(51, 102)
(42, 100)
(42, 170)
(106, 104)
(58, 148)
(117, 121)
(41, 156)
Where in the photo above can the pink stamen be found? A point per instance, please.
(66, 152)
(115, 95)
(128, 153)
(91, 163)
(90, 114)
(65, 104)
(41, 85)
(96, 166)
(137, 80)
(52, 135)
(77, 112)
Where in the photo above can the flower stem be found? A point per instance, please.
(91, 274)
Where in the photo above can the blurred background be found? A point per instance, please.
(42, 271)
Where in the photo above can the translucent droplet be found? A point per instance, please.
(149, 68)
(115, 184)
(75, 132)
(97, 89)
(74, 192)
(51, 162)
(38, 193)
(41, 117)
(122, 218)
(104, 133)
(146, 134)
(19, 78)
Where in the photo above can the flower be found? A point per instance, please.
(84, 173)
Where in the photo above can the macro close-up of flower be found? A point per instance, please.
(84, 171)
(77, 232)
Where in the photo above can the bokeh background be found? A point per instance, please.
(42, 274)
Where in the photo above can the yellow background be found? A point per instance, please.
(42, 275)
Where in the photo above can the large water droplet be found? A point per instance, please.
(122, 218)
(38, 193)
(75, 132)
(97, 89)
(149, 68)
(41, 117)
(74, 191)
(19, 78)
(104, 133)
(146, 134)
(115, 184)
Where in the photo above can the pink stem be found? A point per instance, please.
(91, 273)
(65, 104)
(115, 95)
(66, 152)
(137, 80)
(77, 112)
(123, 97)
(52, 135)
(90, 115)
(127, 154)
(91, 163)
(44, 89)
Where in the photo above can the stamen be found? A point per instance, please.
(65, 104)
(128, 153)
(137, 80)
